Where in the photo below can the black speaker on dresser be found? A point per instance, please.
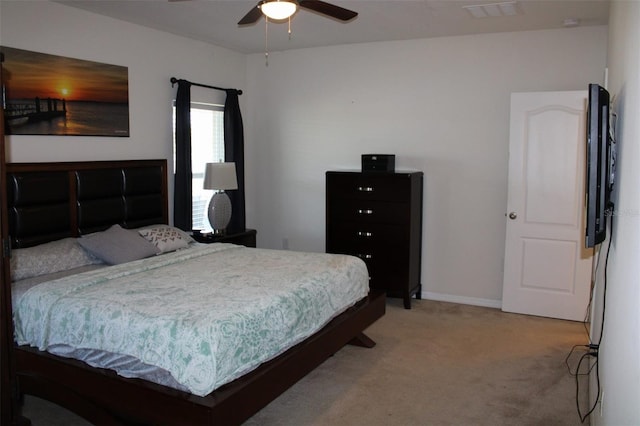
(378, 163)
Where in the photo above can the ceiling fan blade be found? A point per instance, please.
(253, 16)
(328, 9)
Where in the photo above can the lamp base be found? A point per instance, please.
(219, 212)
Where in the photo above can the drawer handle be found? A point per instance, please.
(365, 211)
(365, 189)
(364, 256)
(365, 234)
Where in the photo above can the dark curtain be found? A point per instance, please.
(182, 210)
(234, 152)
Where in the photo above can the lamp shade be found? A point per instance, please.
(278, 9)
(220, 176)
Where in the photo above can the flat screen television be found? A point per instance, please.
(600, 166)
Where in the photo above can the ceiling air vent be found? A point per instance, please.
(507, 8)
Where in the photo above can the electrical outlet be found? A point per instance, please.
(285, 243)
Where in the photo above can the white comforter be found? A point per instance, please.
(207, 315)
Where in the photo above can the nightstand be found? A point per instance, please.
(245, 238)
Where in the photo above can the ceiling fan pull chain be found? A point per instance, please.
(266, 41)
(289, 27)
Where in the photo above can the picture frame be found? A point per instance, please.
(47, 94)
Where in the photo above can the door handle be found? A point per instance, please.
(513, 215)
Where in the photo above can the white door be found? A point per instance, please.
(547, 270)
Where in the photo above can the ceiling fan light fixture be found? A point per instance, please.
(278, 9)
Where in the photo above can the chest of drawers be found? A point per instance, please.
(378, 217)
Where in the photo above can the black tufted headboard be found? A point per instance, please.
(49, 201)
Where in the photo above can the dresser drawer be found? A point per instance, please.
(387, 268)
(377, 258)
(357, 234)
(368, 211)
(389, 281)
(379, 252)
(369, 186)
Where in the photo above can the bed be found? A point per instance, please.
(51, 204)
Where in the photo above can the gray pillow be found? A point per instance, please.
(48, 258)
(118, 245)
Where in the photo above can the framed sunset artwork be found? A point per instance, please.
(55, 95)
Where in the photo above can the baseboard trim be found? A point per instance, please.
(475, 301)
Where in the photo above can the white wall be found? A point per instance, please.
(619, 352)
(152, 57)
(440, 105)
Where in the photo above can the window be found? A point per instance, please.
(207, 146)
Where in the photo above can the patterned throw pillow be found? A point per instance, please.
(166, 238)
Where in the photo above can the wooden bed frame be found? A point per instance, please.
(90, 196)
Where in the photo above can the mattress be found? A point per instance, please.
(203, 316)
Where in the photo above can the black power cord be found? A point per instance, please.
(592, 349)
(606, 268)
(595, 365)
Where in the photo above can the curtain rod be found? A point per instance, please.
(175, 80)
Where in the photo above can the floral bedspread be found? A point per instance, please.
(207, 314)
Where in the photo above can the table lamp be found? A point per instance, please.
(220, 177)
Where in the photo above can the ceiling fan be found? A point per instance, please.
(283, 9)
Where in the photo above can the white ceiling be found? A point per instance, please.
(215, 21)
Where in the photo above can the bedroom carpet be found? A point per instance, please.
(436, 364)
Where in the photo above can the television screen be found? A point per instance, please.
(598, 177)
